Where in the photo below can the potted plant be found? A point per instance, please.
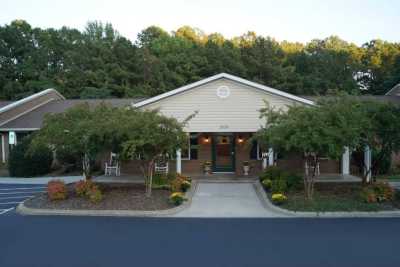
(246, 167)
(207, 167)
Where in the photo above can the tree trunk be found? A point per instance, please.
(150, 178)
(86, 167)
(309, 177)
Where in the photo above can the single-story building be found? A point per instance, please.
(227, 114)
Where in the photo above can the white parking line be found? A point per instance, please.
(8, 203)
(1, 198)
(13, 193)
(6, 210)
(22, 188)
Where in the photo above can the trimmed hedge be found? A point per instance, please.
(21, 164)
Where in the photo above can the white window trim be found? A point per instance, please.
(188, 149)
(3, 152)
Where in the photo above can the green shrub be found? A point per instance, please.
(89, 190)
(162, 187)
(171, 176)
(368, 195)
(66, 158)
(95, 195)
(279, 186)
(24, 164)
(267, 183)
(56, 190)
(177, 198)
(294, 181)
(272, 173)
(160, 179)
(82, 187)
(383, 166)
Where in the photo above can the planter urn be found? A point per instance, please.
(246, 169)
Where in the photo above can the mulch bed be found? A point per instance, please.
(335, 197)
(115, 197)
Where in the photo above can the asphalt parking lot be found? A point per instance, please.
(13, 194)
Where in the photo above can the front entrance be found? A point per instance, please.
(223, 153)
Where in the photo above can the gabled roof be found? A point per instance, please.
(29, 98)
(33, 120)
(394, 91)
(229, 77)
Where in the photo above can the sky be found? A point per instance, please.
(357, 21)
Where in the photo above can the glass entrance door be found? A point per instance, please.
(223, 153)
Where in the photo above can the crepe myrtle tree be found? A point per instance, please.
(377, 124)
(321, 130)
(148, 135)
(381, 133)
(83, 131)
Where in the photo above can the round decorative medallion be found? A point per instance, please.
(223, 91)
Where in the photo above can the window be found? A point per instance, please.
(191, 151)
(255, 151)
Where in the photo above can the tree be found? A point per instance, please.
(93, 93)
(70, 60)
(317, 131)
(148, 135)
(82, 130)
(381, 133)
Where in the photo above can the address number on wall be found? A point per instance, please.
(224, 126)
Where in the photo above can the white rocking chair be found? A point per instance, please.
(112, 165)
(161, 165)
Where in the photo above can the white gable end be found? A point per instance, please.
(222, 105)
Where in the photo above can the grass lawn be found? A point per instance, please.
(335, 197)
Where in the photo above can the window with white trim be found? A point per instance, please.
(191, 151)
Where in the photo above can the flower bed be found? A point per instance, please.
(114, 197)
(336, 197)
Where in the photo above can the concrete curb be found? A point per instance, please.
(333, 214)
(24, 210)
(227, 181)
(39, 180)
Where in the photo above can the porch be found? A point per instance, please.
(135, 178)
(227, 153)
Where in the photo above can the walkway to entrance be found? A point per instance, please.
(226, 200)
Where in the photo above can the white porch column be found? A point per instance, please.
(367, 162)
(178, 161)
(270, 156)
(346, 161)
(264, 161)
(3, 147)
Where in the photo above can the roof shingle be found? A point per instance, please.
(34, 119)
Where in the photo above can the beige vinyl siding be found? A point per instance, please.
(237, 113)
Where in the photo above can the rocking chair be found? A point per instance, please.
(161, 165)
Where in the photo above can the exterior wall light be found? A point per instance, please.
(206, 139)
(240, 139)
